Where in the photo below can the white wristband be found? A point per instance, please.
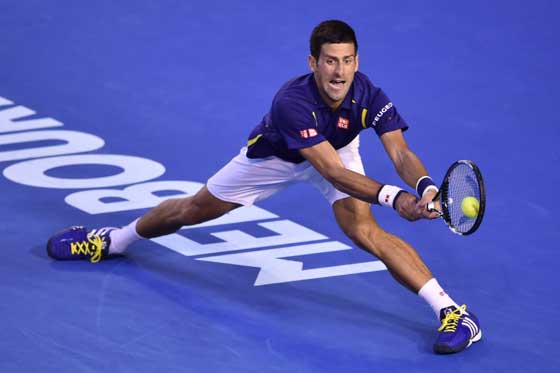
(431, 187)
(424, 184)
(387, 195)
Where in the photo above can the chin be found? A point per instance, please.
(337, 97)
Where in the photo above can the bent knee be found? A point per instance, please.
(363, 233)
(370, 237)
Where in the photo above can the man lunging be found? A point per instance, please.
(311, 134)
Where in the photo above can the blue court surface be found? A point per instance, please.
(108, 107)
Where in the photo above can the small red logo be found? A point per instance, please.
(310, 132)
(343, 123)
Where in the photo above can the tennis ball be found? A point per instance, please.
(470, 206)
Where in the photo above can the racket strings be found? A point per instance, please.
(462, 183)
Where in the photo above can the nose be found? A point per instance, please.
(338, 69)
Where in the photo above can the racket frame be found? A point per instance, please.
(443, 198)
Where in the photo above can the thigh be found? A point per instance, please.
(245, 181)
(353, 214)
(204, 206)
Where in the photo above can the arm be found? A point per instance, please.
(326, 161)
(408, 166)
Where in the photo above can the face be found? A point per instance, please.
(334, 71)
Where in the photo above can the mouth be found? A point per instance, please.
(337, 83)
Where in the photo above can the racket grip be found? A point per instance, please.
(431, 207)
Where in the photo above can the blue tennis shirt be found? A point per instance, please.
(299, 118)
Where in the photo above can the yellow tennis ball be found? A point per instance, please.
(470, 207)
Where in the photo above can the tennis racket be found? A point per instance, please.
(463, 179)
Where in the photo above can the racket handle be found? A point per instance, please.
(432, 208)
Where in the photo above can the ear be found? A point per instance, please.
(312, 62)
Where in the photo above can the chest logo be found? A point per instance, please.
(343, 123)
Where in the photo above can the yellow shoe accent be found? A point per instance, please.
(449, 322)
(91, 247)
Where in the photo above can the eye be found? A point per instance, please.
(330, 61)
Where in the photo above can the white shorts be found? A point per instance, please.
(246, 181)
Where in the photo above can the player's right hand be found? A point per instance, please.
(423, 205)
(407, 207)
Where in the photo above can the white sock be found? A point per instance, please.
(121, 238)
(434, 295)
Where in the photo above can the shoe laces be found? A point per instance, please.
(92, 247)
(450, 321)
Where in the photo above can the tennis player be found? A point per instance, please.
(311, 134)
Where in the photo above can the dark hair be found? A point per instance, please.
(331, 31)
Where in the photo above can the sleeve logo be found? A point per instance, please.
(307, 133)
(381, 112)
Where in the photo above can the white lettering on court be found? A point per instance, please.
(9, 119)
(274, 269)
(75, 142)
(287, 231)
(134, 170)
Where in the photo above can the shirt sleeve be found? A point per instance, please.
(384, 116)
(296, 124)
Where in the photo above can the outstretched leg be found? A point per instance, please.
(459, 328)
(403, 262)
(78, 243)
(172, 214)
(169, 216)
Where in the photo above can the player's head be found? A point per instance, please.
(333, 59)
(334, 32)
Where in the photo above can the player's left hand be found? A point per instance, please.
(423, 203)
(406, 205)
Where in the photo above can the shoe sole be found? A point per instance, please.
(446, 350)
(475, 339)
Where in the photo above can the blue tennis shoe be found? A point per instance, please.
(459, 329)
(77, 243)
